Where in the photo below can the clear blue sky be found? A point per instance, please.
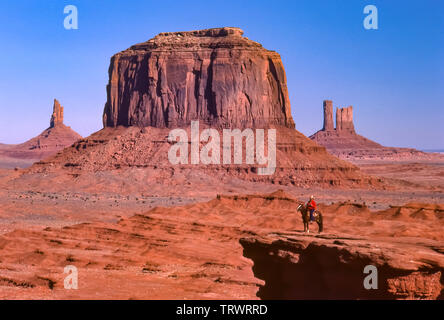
(393, 76)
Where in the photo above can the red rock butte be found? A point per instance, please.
(344, 118)
(53, 139)
(344, 142)
(216, 76)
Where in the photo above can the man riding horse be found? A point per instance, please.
(311, 206)
(309, 214)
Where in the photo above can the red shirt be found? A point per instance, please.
(311, 204)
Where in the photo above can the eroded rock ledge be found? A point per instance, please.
(296, 266)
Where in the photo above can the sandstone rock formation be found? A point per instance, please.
(332, 267)
(49, 142)
(344, 142)
(57, 114)
(214, 75)
(299, 161)
(344, 119)
(328, 116)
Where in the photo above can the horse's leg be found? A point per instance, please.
(320, 223)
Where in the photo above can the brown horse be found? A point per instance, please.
(305, 213)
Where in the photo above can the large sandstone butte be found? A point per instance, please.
(344, 142)
(214, 75)
(53, 139)
(218, 77)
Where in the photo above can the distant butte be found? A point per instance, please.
(57, 115)
(344, 142)
(56, 137)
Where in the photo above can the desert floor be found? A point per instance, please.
(184, 243)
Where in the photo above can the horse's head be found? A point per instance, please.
(299, 207)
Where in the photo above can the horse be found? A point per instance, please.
(305, 213)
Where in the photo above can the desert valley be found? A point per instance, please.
(137, 226)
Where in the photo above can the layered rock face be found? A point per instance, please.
(344, 142)
(216, 76)
(294, 266)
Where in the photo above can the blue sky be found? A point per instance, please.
(393, 76)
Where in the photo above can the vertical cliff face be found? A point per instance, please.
(295, 266)
(214, 75)
(57, 114)
(328, 116)
(344, 119)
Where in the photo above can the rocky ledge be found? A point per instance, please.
(298, 266)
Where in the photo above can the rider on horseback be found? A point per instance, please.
(311, 205)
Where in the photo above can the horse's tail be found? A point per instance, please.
(321, 222)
